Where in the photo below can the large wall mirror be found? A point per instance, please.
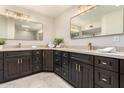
(99, 21)
(19, 29)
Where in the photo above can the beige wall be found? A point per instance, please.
(62, 28)
(48, 27)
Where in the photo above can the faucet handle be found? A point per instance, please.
(90, 46)
(19, 45)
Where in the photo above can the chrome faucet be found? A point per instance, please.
(19, 45)
(90, 47)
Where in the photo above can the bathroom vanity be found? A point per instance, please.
(81, 68)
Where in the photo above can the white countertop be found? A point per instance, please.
(119, 55)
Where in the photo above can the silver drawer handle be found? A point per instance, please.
(64, 74)
(18, 61)
(103, 79)
(104, 63)
(37, 53)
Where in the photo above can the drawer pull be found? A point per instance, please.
(57, 60)
(18, 61)
(76, 67)
(37, 67)
(64, 74)
(64, 63)
(104, 63)
(21, 60)
(79, 68)
(37, 52)
(103, 79)
(57, 69)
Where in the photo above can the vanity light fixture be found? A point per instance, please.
(14, 14)
(85, 8)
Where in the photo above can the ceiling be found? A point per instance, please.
(48, 10)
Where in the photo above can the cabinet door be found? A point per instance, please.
(26, 65)
(106, 79)
(85, 76)
(11, 68)
(73, 73)
(48, 60)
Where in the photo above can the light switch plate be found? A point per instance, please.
(116, 38)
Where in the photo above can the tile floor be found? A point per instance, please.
(40, 80)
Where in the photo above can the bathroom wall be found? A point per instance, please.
(48, 27)
(62, 28)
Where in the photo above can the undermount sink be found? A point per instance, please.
(107, 50)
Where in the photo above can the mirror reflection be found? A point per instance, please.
(20, 29)
(100, 21)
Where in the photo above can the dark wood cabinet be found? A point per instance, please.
(11, 68)
(85, 77)
(61, 64)
(80, 70)
(81, 74)
(1, 67)
(73, 73)
(107, 63)
(48, 60)
(106, 72)
(37, 61)
(106, 79)
(65, 65)
(16, 66)
(57, 62)
(121, 73)
(26, 65)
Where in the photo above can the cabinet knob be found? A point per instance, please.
(57, 69)
(103, 79)
(64, 73)
(104, 63)
(37, 67)
(37, 52)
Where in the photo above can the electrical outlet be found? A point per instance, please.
(116, 38)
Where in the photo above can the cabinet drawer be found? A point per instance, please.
(107, 63)
(57, 53)
(58, 69)
(65, 74)
(17, 53)
(106, 79)
(1, 64)
(57, 60)
(37, 59)
(88, 59)
(65, 63)
(1, 76)
(37, 52)
(37, 68)
(65, 54)
(1, 55)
